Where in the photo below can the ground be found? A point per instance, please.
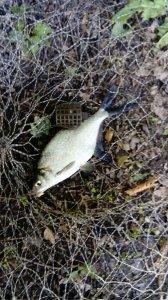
(86, 238)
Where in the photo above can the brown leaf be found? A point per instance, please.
(159, 104)
(160, 73)
(124, 146)
(109, 135)
(134, 227)
(142, 186)
(49, 236)
(122, 160)
(143, 71)
(85, 96)
(162, 192)
(134, 141)
(84, 23)
(163, 179)
(161, 260)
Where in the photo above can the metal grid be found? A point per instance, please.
(68, 115)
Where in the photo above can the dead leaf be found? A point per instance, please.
(84, 23)
(122, 160)
(154, 90)
(160, 73)
(85, 96)
(163, 179)
(152, 68)
(49, 236)
(142, 186)
(150, 34)
(134, 141)
(124, 146)
(161, 193)
(143, 71)
(109, 135)
(159, 106)
(12, 262)
(71, 54)
(160, 262)
(146, 68)
(134, 227)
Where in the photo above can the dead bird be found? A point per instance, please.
(69, 150)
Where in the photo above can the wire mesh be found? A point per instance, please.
(85, 238)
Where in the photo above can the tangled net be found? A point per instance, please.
(85, 239)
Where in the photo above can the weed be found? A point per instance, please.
(148, 9)
(31, 38)
(40, 126)
(24, 200)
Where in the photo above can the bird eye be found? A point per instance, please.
(38, 183)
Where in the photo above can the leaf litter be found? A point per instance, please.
(97, 225)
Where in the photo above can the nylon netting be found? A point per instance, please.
(85, 238)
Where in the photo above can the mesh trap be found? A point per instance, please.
(68, 115)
